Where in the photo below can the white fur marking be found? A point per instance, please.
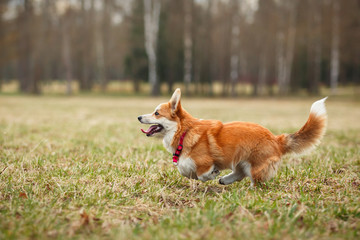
(187, 167)
(170, 130)
(247, 170)
(318, 107)
(158, 107)
(232, 177)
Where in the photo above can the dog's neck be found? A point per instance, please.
(172, 136)
(168, 139)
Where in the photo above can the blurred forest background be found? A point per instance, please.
(209, 47)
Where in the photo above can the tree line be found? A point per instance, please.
(274, 46)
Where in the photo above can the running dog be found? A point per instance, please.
(202, 148)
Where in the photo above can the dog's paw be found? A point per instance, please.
(221, 181)
(216, 172)
(209, 175)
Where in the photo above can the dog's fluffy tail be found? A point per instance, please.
(310, 134)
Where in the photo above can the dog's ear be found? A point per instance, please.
(175, 100)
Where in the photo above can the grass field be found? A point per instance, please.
(80, 168)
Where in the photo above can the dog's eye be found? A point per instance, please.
(156, 113)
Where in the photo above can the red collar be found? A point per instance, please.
(177, 153)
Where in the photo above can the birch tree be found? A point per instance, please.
(286, 59)
(335, 63)
(290, 44)
(188, 43)
(281, 68)
(3, 31)
(25, 46)
(85, 54)
(151, 20)
(318, 54)
(99, 45)
(235, 33)
(314, 45)
(66, 53)
(263, 71)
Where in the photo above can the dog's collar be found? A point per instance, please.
(177, 153)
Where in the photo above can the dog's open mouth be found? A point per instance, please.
(153, 129)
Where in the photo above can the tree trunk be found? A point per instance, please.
(209, 62)
(151, 19)
(290, 47)
(2, 77)
(226, 58)
(281, 62)
(66, 56)
(34, 86)
(335, 61)
(317, 52)
(100, 59)
(262, 73)
(289, 55)
(188, 45)
(244, 69)
(234, 61)
(86, 53)
(136, 85)
(356, 72)
(101, 34)
(25, 47)
(48, 38)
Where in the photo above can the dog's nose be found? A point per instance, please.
(140, 117)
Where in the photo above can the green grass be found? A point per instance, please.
(80, 168)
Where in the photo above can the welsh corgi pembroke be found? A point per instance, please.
(202, 148)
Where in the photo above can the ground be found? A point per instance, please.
(79, 167)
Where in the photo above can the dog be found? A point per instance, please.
(203, 148)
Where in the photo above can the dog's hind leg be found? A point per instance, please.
(265, 171)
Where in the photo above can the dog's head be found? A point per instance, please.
(165, 118)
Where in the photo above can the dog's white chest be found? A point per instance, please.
(167, 143)
(187, 167)
(167, 140)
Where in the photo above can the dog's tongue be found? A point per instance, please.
(151, 128)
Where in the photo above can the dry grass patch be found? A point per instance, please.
(80, 168)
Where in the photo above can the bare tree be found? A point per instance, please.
(210, 45)
(25, 46)
(289, 56)
(151, 18)
(281, 67)
(66, 53)
(101, 41)
(286, 52)
(2, 33)
(263, 71)
(318, 55)
(188, 43)
(203, 48)
(235, 32)
(314, 45)
(335, 39)
(86, 59)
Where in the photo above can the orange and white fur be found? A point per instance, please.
(210, 146)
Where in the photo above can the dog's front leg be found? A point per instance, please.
(236, 175)
(207, 173)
